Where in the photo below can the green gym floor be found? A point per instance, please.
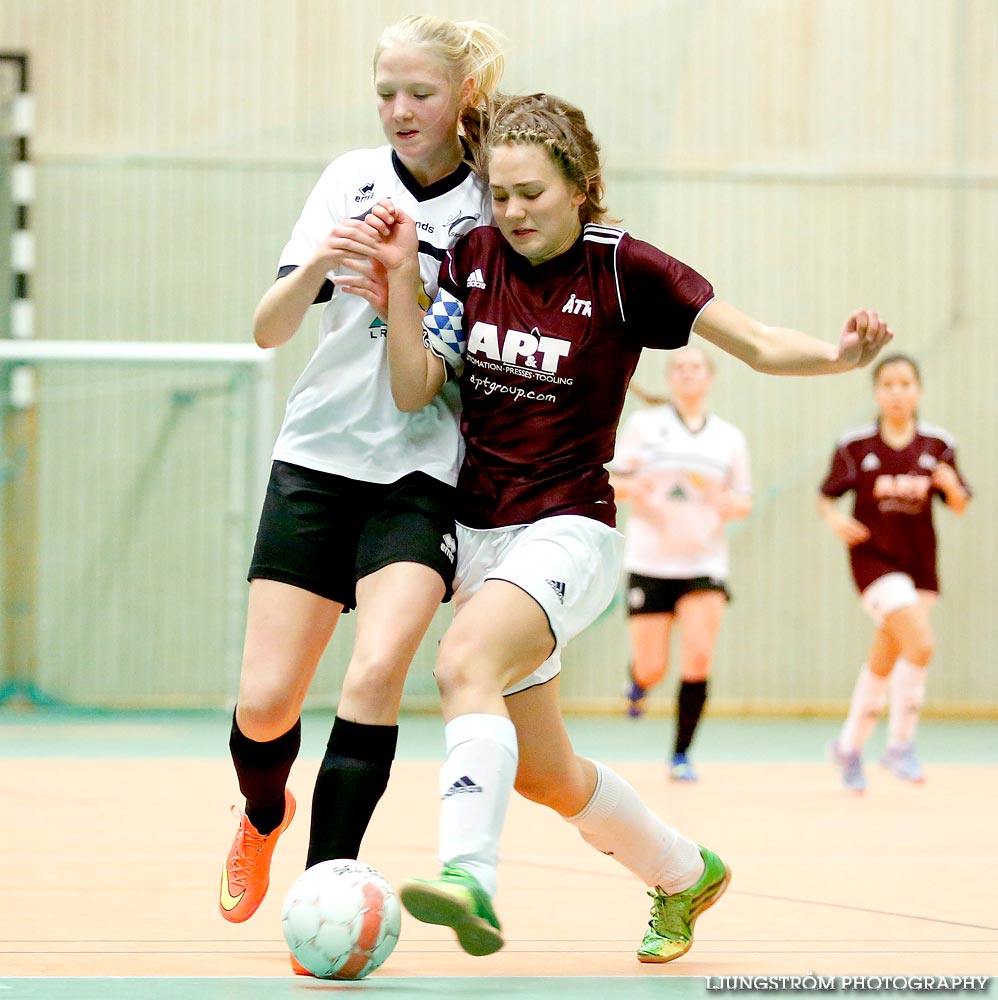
(760, 753)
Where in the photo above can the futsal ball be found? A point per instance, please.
(341, 919)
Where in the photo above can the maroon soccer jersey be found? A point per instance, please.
(550, 349)
(894, 494)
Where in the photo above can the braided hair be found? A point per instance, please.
(541, 120)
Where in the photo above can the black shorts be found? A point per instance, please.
(323, 532)
(651, 595)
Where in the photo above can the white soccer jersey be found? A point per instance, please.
(685, 536)
(340, 416)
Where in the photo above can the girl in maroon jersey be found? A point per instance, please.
(542, 320)
(895, 467)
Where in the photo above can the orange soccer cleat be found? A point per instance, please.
(246, 875)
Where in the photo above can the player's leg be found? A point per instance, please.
(395, 606)
(404, 569)
(286, 632)
(912, 632)
(684, 879)
(698, 615)
(499, 635)
(650, 604)
(869, 696)
(650, 635)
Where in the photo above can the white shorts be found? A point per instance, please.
(570, 565)
(889, 593)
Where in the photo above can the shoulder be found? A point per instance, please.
(858, 435)
(933, 431)
(728, 429)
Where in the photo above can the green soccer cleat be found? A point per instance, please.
(455, 899)
(670, 930)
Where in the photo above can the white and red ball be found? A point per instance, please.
(341, 919)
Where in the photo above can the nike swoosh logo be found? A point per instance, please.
(228, 901)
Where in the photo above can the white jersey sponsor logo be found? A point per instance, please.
(578, 307)
(518, 349)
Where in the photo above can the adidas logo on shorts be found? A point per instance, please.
(559, 588)
(461, 786)
(449, 546)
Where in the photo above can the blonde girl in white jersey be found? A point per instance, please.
(686, 473)
(358, 510)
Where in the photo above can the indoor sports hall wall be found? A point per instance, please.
(807, 157)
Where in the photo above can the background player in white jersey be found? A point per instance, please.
(543, 320)
(895, 467)
(686, 473)
(359, 509)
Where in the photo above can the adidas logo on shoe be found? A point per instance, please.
(461, 786)
(559, 588)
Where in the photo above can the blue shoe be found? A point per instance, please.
(902, 763)
(850, 767)
(635, 695)
(682, 769)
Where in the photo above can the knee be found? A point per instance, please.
(461, 663)
(920, 647)
(265, 712)
(542, 789)
(696, 665)
(370, 680)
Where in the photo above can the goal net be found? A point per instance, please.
(128, 510)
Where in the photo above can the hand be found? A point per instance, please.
(398, 241)
(862, 338)
(731, 506)
(369, 281)
(944, 477)
(851, 531)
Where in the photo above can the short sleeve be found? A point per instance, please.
(949, 457)
(841, 475)
(661, 297)
(322, 211)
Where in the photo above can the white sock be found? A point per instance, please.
(907, 696)
(616, 822)
(476, 783)
(868, 699)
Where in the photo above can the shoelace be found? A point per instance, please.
(664, 920)
(250, 847)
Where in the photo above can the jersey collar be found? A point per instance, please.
(434, 190)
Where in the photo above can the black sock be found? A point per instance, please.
(262, 770)
(352, 778)
(689, 704)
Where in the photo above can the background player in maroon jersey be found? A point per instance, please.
(543, 320)
(895, 467)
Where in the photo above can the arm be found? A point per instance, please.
(944, 478)
(388, 236)
(851, 531)
(782, 351)
(283, 306)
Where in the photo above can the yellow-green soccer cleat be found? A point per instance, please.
(670, 930)
(455, 899)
